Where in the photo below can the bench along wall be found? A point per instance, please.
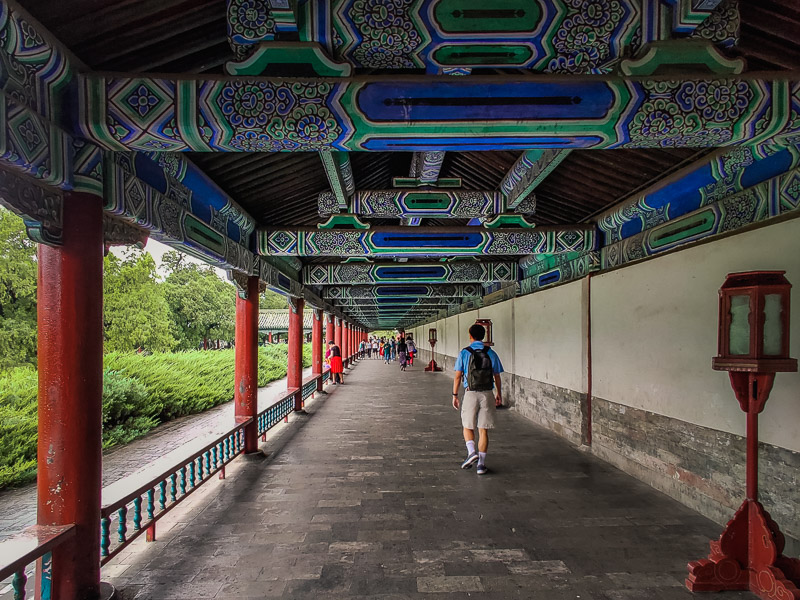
(658, 410)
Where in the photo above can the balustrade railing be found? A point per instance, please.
(272, 415)
(143, 499)
(134, 505)
(18, 553)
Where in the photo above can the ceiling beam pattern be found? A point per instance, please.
(425, 242)
(371, 292)
(363, 273)
(528, 172)
(473, 113)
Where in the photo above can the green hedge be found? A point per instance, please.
(139, 392)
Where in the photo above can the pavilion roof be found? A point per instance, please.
(277, 319)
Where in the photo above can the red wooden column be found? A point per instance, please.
(294, 374)
(346, 342)
(330, 334)
(316, 346)
(338, 334)
(245, 393)
(70, 345)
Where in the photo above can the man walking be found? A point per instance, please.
(482, 367)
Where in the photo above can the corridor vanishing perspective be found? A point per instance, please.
(608, 189)
(364, 498)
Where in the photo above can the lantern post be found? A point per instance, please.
(487, 325)
(753, 345)
(432, 366)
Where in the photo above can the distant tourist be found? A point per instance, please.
(402, 353)
(334, 356)
(483, 368)
(412, 350)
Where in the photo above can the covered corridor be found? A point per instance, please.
(364, 498)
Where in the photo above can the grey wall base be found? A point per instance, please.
(700, 467)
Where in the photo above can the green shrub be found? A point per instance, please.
(139, 392)
(18, 420)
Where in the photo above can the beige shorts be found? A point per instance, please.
(478, 405)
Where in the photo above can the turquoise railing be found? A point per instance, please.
(143, 499)
(136, 511)
(19, 554)
(272, 415)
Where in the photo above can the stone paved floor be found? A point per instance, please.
(363, 498)
(18, 506)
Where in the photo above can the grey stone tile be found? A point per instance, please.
(364, 498)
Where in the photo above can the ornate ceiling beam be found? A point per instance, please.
(355, 292)
(425, 166)
(390, 303)
(537, 35)
(460, 271)
(414, 203)
(528, 172)
(235, 114)
(340, 177)
(425, 242)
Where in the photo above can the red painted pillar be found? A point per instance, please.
(294, 374)
(70, 345)
(346, 342)
(245, 393)
(270, 337)
(316, 346)
(337, 339)
(330, 335)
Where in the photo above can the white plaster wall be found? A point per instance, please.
(550, 336)
(502, 316)
(654, 332)
(450, 327)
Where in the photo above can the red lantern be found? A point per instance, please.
(754, 323)
(753, 345)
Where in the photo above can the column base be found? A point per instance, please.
(107, 591)
(432, 366)
(748, 556)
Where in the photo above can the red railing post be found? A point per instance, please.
(70, 321)
(245, 393)
(294, 373)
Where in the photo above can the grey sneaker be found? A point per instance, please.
(471, 460)
(482, 470)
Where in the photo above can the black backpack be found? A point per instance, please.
(480, 377)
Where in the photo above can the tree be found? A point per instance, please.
(270, 299)
(202, 305)
(135, 311)
(18, 270)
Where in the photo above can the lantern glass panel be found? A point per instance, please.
(773, 325)
(739, 333)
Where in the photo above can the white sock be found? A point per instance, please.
(481, 458)
(471, 447)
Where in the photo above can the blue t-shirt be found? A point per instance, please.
(462, 362)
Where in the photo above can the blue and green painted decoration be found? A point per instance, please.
(389, 242)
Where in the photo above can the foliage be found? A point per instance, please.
(184, 383)
(270, 299)
(135, 311)
(139, 392)
(18, 272)
(128, 411)
(18, 426)
(202, 306)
